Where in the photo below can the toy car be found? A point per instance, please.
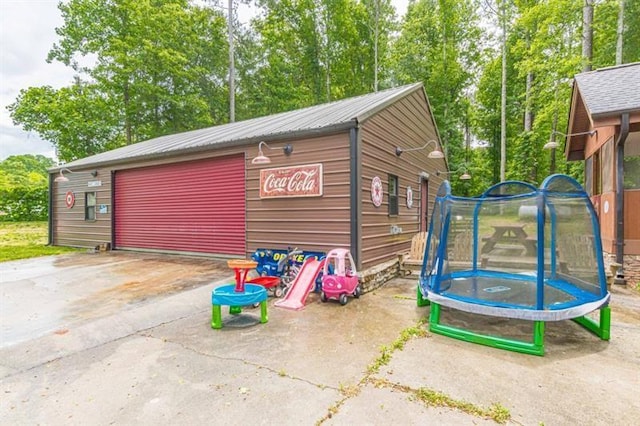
(339, 277)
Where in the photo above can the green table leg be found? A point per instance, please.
(216, 317)
(263, 312)
(235, 310)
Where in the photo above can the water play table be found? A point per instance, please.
(228, 296)
(239, 294)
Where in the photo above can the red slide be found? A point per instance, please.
(301, 285)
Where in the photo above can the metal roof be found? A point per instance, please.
(612, 90)
(319, 119)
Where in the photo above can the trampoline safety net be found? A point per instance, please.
(516, 251)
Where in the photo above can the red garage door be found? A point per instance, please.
(195, 206)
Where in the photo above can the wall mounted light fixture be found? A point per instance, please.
(552, 144)
(94, 173)
(436, 153)
(62, 177)
(464, 176)
(263, 159)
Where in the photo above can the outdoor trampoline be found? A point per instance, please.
(519, 252)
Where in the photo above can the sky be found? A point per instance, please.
(27, 33)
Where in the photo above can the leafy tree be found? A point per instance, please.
(439, 45)
(605, 32)
(553, 56)
(161, 66)
(157, 69)
(308, 52)
(488, 118)
(631, 37)
(25, 170)
(24, 187)
(78, 120)
(544, 54)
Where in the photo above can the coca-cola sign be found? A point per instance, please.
(296, 181)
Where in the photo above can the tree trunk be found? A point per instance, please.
(587, 35)
(620, 38)
(375, 46)
(127, 113)
(528, 112)
(503, 107)
(232, 68)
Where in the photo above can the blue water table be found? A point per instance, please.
(239, 294)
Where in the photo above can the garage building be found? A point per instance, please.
(353, 173)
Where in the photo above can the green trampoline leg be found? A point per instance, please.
(421, 300)
(264, 318)
(434, 315)
(216, 317)
(532, 348)
(601, 328)
(538, 338)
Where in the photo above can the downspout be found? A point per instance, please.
(50, 209)
(624, 132)
(113, 210)
(355, 181)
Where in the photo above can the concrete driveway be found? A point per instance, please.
(57, 293)
(152, 358)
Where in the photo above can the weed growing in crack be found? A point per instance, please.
(496, 412)
(384, 358)
(349, 391)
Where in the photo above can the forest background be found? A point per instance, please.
(498, 74)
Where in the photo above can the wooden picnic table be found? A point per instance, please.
(509, 233)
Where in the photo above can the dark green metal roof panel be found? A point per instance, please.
(318, 119)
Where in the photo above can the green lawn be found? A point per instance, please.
(21, 240)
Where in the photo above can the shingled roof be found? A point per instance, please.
(611, 91)
(315, 120)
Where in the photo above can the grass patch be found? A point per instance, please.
(496, 412)
(429, 397)
(386, 352)
(23, 240)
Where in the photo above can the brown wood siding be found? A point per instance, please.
(69, 228)
(632, 222)
(309, 223)
(607, 220)
(407, 124)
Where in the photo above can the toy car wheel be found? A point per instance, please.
(343, 299)
(323, 296)
(357, 292)
(278, 292)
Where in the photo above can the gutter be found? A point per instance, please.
(624, 132)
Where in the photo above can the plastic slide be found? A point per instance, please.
(301, 285)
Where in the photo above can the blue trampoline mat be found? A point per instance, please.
(513, 291)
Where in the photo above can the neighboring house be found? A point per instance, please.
(607, 101)
(335, 180)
